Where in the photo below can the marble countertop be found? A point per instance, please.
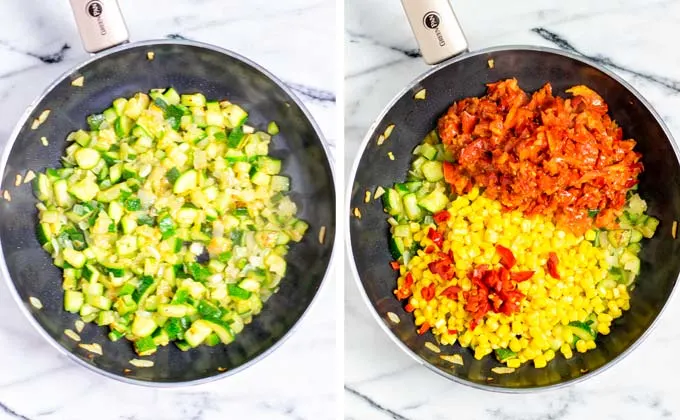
(635, 39)
(298, 380)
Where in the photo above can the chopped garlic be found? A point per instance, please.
(150, 55)
(393, 317)
(322, 234)
(92, 348)
(378, 192)
(78, 82)
(17, 180)
(456, 359)
(490, 63)
(502, 370)
(72, 335)
(357, 213)
(141, 363)
(30, 176)
(421, 94)
(35, 302)
(432, 347)
(44, 141)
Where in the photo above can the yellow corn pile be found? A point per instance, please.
(540, 328)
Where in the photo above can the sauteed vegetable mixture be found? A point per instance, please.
(518, 229)
(169, 219)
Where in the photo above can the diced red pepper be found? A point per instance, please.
(552, 265)
(507, 259)
(473, 324)
(403, 293)
(451, 292)
(423, 328)
(409, 308)
(436, 237)
(408, 280)
(429, 249)
(520, 276)
(453, 332)
(394, 265)
(441, 217)
(428, 292)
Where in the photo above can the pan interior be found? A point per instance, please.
(414, 119)
(189, 69)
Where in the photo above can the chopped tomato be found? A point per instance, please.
(541, 153)
(449, 172)
(423, 328)
(408, 280)
(409, 308)
(453, 332)
(429, 249)
(394, 265)
(442, 216)
(508, 260)
(552, 265)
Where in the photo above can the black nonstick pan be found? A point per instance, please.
(466, 75)
(188, 67)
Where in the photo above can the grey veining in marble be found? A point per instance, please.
(634, 38)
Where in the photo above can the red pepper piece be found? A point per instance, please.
(428, 292)
(394, 265)
(403, 293)
(552, 265)
(473, 324)
(520, 276)
(507, 259)
(423, 328)
(408, 280)
(453, 332)
(429, 249)
(409, 308)
(451, 292)
(441, 217)
(436, 237)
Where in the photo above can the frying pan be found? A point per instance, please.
(123, 71)
(466, 75)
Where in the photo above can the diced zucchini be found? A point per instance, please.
(582, 330)
(235, 116)
(73, 301)
(199, 331)
(434, 202)
(413, 211)
(87, 158)
(392, 202)
(186, 182)
(432, 171)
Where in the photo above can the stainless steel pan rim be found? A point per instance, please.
(3, 162)
(370, 136)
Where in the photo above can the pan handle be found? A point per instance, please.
(100, 23)
(436, 28)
